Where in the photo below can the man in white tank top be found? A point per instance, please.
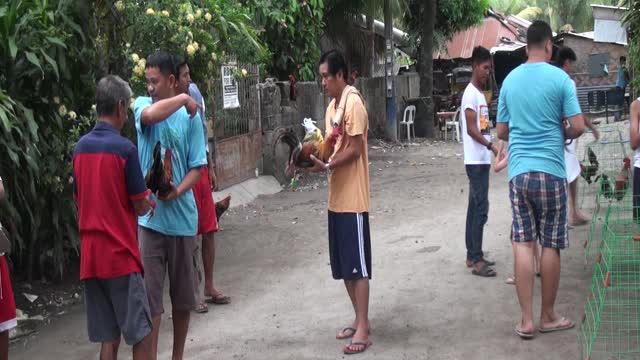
(565, 60)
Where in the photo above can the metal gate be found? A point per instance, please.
(237, 134)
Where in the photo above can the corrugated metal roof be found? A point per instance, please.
(488, 34)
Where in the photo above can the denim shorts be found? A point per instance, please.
(539, 206)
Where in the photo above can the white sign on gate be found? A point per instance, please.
(229, 87)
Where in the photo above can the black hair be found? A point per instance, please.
(163, 61)
(110, 91)
(623, 59)
(179, 62)
(538, 33)
(565, 54)
(480, 55)
(336, 63)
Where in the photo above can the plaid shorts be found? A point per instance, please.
(539, 206)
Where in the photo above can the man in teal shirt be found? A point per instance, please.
(168, 238)
(534, 99)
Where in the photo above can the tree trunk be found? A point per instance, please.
(424, 114)
(371, 57)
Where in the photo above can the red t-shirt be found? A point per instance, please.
(107, 178)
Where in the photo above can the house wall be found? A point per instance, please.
(585, 47)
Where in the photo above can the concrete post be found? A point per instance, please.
(391, 123)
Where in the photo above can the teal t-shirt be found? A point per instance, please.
(184, 136)
(533, 100)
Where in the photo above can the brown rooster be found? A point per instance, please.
(222, 206)
(622, 180)
(160, 175)
(313, 144)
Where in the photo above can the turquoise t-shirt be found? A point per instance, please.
(184, 136)
(533, 100)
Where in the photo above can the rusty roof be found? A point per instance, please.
(488, 34)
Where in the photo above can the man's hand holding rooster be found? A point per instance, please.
(318, 165)
(171, 195)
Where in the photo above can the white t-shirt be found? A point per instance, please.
(474, 152)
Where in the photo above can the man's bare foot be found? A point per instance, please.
(525, 331)
(560, 323)
(346, 333)
(359, 339)
(216, 297)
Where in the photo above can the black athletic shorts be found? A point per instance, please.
(349, 245)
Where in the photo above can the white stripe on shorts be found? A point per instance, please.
(363, 262)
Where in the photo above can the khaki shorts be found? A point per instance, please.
(173, 253)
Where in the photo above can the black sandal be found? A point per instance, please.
(485, 271)
(488, 262)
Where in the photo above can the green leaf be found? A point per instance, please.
(13, 156)
(13, 49)
(34, 60)
(31, 122)
(73, 25)
(5, 120)
(57, 41)
(52, 62)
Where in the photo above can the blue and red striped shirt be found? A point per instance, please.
(107, 178)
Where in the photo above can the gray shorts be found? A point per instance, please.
(173, 253)
(115, 307)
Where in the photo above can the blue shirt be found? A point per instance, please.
(533, 100)
(194, 92)
(184, 136)
(621, 83)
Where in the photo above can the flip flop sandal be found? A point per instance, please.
(202, 309)
(469, 263)
(484, 271)
(218, 300)
(558, 328)
(511, 280)
(364, 346)
(522, 334)
(345, 336)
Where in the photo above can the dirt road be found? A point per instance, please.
(272, 259)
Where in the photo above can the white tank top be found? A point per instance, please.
(636, 157)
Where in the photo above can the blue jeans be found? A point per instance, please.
(478, 209)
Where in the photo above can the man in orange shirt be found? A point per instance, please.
(348, 171)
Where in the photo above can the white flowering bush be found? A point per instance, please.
(206, 36)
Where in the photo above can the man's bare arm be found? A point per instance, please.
(634, 131)
(502, 128)
(351, 153)
(161, 110)
(576, 127)
(472, 128)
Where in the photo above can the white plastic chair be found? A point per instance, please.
(455, 122)
(407, 119)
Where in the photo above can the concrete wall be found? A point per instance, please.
(279, 114)
(374, 92)
(585, 47)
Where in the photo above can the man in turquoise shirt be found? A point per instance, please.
(534, 99)
(168, 238)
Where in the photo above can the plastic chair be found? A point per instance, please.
(455, 122)
(407, 119)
